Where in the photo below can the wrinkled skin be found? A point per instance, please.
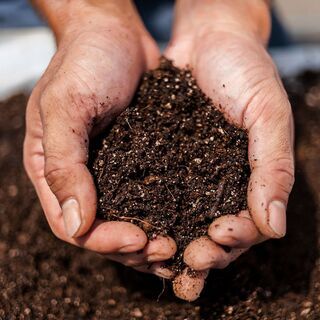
(235, 71)
(93, 76)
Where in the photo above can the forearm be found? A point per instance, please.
(249, 17)
(65, 15)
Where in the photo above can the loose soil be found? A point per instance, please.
(43, 278)
(171, 163)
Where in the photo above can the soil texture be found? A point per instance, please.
(171, 163)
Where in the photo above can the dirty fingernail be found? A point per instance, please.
(71, 216)
(277, 217)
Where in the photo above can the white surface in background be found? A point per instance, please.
(301, 17)
(24, 55)
(295, 59)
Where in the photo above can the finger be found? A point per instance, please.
(103, 237)
(203, 253)
(65, 143)
(189, 284)
(235, 231)
(157, 269)
(272, 164)
(159, 249)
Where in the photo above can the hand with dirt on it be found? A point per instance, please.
(223, 42)
(102, 51)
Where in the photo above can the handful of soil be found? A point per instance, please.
(171, 163)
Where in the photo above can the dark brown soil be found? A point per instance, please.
(44, 278)
(171, 163)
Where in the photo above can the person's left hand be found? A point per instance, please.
(224, 46)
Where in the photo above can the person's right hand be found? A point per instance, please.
(103, 49)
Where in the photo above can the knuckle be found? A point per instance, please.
(31, 161)
(55, 176)
(276, 111)
(283, 172)
(71, 101)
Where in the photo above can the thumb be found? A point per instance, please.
(65, 143)
(271, 160)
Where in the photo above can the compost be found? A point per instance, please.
(171, 163)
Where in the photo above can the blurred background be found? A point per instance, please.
(26, 43)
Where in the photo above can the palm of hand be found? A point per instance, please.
(90, 79)
(239, 76)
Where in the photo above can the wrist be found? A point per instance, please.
(249, 18)
(67, 17)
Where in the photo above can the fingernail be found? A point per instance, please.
(277, 217)
(71, 216)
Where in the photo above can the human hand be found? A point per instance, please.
(223, 42)
(103, 49)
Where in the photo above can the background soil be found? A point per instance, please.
(43, 278)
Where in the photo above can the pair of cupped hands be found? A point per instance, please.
(103, 49)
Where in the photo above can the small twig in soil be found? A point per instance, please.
(128, 124)
(219, 195)
(163, 289)
(133, 218)
(174, 199)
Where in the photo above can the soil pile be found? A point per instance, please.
(171, 163)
